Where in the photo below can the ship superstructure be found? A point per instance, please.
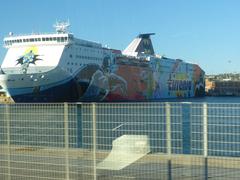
(59, 67)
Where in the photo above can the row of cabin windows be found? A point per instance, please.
(76, 64)
(89, 50)
(70, 69)
(87, 57)
(58, 39)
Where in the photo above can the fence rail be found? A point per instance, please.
(107, 141)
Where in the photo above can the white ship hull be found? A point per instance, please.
(60, 68)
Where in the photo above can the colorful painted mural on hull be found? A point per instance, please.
(132, 80)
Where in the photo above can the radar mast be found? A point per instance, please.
(62, 27)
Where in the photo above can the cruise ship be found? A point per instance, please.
(59, 67)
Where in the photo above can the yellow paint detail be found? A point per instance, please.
(181, 76)
(34, 50)
(179, 93)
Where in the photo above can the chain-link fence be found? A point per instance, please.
(107, 141)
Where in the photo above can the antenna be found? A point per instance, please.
(62, 26)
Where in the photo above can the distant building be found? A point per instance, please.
(209, 86)
(222, 87)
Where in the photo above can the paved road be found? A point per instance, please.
(31, 163)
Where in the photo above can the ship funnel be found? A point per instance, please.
(140, 46)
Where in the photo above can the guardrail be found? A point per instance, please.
(120, 141)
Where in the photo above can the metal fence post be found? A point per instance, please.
(7, 119)
(205, 140)
(66, 141)
(168, 136)
(94, 140)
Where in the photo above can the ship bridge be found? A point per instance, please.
(37, 39)
(61, 36)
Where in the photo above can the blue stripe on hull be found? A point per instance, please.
(66, 92)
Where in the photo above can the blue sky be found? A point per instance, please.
(205, 32)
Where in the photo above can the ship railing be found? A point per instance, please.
(34, 33)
